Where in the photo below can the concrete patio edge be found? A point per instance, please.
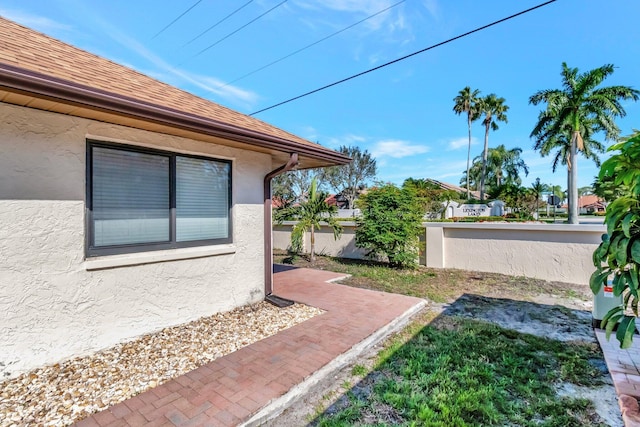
(278, 405)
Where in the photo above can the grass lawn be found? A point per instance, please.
(447, 370)
(437, 285)
(464, 372)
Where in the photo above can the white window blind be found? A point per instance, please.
(131, 202)
(202, 199)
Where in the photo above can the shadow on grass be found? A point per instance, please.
(482, 361)
(278, 268)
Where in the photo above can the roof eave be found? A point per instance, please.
(40, 85)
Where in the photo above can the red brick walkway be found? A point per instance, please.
(624, 367)
(231, 389)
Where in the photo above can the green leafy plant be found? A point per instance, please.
(390, 224)
(309, 215)
(619, 253)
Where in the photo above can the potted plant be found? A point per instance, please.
(618, 256)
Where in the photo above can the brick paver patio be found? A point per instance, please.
(231, 389)
(624, 367)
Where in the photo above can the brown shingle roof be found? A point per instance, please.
(30, 50)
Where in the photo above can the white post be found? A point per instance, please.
(435, 246)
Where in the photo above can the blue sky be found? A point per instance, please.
(402, 113)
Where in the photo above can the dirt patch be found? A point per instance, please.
(557, 322)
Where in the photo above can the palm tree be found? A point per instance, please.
(503, 168)
(494, 109)
(309, 214)
(474, 174)
(506, 165)
(537, 188)
(467, 102)
(573, 115)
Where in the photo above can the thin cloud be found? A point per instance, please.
(207, 83)
(432, 7)
(40, 23)
(393, 19)
(310, 133)
(397, 149)
(348, 140)
(458, 143)
(173, 75)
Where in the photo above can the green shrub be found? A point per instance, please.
(390, 224)
(619, 253)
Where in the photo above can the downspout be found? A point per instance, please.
(268, 232)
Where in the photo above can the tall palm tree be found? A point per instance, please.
(573, 115)
(503, 167)
(309, 214)
(494, 110)
(506, 164)
(467, 102)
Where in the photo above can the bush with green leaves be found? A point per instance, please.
(619, 253)
(390, 224)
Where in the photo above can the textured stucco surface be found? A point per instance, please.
(549, 252)
(51, 307)
(344, 247)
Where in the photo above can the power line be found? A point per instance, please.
(233, 32)
(405, 57)
(176, 20)
(217, 23)
(312, 44)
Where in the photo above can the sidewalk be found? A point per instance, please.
(256, 382)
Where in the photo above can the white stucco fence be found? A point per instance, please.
(555, 252)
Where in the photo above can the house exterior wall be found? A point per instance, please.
(53, 303)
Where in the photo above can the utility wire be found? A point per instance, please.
(233, 32)
(217, 23)
(405, 57)
(176, 20)
(312, 44)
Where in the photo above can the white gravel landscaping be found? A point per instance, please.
(69, 391)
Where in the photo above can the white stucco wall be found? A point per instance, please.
(344, 247)
(555, 252)
(550, 252)
(53, 304)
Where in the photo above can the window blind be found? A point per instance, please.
(202, 199)
(131, 201)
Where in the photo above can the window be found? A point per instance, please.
(141, 199)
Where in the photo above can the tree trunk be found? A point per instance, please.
(484, 161)
(468, 153)
(573, 181)
(351, 198)
(313, 244)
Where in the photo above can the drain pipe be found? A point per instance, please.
(268, 231)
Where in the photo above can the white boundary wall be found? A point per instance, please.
(555, 252)
(55, 304)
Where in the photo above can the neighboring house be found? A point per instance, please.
(337, 200)
(446, 186)
(590, 204)
(126, 204)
